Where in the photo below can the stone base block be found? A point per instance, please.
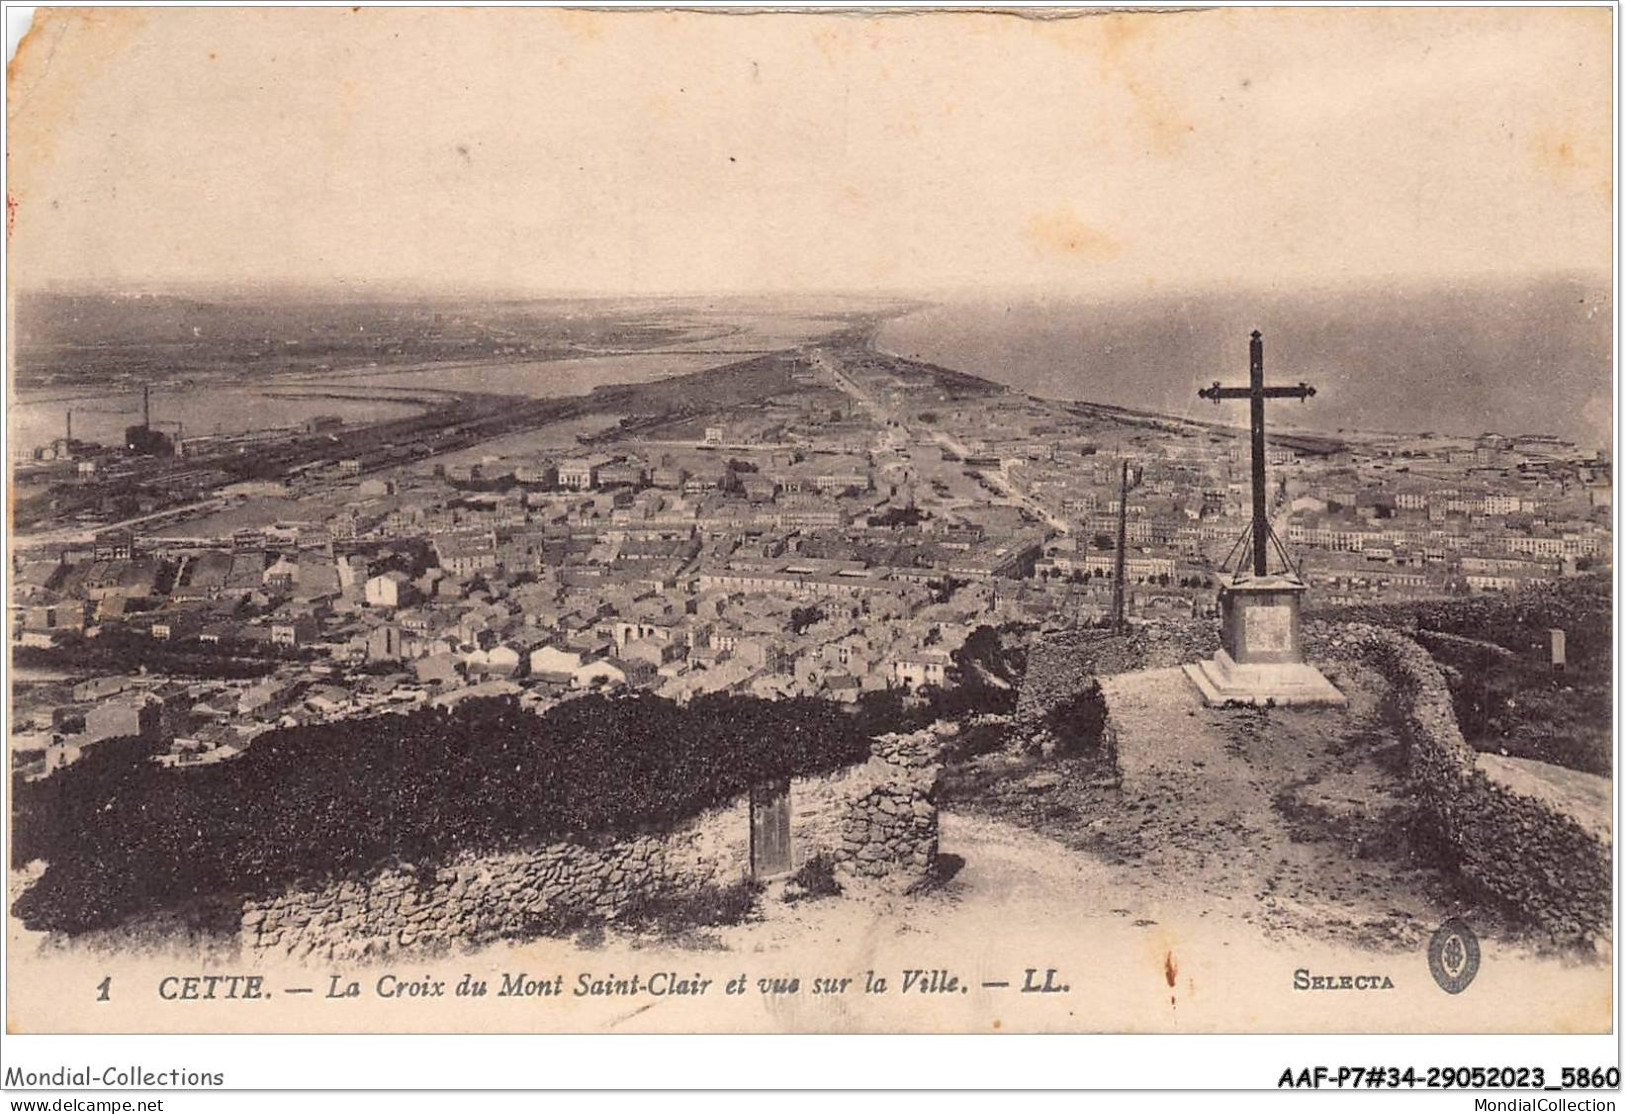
(1221, 681)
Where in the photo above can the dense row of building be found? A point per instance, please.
(843, 538)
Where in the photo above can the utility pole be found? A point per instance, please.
(1120, 571)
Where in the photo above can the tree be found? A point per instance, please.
(984, 658)
(803, 617)
(898, 516)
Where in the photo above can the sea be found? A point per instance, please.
(1531, 357)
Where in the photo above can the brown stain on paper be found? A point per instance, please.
(1059, 233)
(63, 51)
(586, 25)
(1561, 154)
(1122, 45)
(88, 35)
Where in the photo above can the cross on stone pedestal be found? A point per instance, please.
(1260, 660)
(1257, 393)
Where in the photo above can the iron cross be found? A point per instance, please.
(1257, 392)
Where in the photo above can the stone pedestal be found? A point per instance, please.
(1261, 661)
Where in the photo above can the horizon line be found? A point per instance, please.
(350, 288)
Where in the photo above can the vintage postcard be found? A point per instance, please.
(862, 521)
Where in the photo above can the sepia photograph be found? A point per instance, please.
(868, 521)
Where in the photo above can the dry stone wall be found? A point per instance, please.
(1062, 662)
(478, 898)
(889, 832)
(1474, 648)
(1546, 859)
(1580, 606)
(877, 820)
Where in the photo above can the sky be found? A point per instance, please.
(555, 151)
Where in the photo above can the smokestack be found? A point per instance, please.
(146, 407)
(69, 434)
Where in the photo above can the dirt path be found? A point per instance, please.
(1131, 949)
(1244, 852)
(1293, 823)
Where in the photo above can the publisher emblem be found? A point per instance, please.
(1453, 956)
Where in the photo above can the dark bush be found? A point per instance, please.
(815, 878)
(711, 905)
(1078, 722)
(122, 835)
(676, 913)
(975, 740)
(991, 658)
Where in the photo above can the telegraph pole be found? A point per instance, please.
(1120, 572)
